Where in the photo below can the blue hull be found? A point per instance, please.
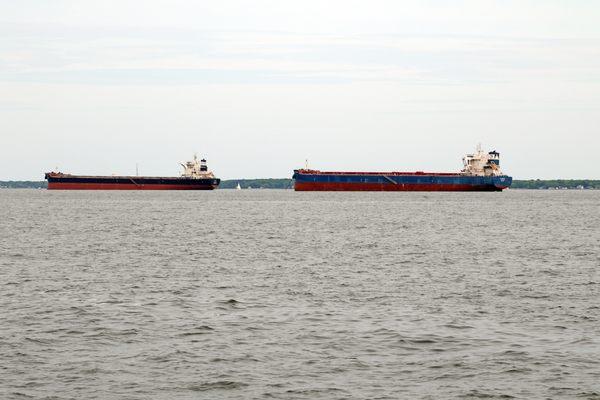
(308, 180)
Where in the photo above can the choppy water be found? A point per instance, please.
(276, 294)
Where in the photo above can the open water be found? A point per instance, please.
(275, 294)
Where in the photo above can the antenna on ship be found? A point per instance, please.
(306, 163)
(136, 170)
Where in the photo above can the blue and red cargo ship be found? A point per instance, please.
(481, 173)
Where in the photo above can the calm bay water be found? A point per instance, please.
(276, 294)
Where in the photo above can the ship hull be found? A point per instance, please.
(397, 182)
(73, 182)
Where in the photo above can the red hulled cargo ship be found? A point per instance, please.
(195, 176)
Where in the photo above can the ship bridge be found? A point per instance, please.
(196, 169)
(481, 163)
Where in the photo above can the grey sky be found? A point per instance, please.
(258, 86)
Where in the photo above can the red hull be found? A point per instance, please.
(123, 186)
(378, 187)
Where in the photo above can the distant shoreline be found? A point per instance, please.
(284, 183)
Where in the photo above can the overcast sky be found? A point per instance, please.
(258, 86)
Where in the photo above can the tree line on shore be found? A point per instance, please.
(556, 184)
(286, 183)
(225, 184)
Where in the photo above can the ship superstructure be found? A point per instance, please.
(481, 172)
(195, 176)
(481, 163)
(196, 169)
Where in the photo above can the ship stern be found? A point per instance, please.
(502, 182)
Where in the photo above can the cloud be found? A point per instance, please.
(77, 77)
(51, 53)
